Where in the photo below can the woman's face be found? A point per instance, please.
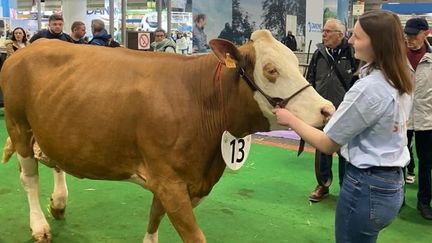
(362, 44)
(19, 34)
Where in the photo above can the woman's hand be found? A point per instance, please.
(311, 135)
(283, 116)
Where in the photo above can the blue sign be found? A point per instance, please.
(5, 6)
(408, 8)
(314, 27)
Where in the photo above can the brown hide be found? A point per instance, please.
(104, 113)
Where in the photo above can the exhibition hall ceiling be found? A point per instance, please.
(91, 4)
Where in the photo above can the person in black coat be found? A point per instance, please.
(290, 41)
(331, 73)
(54, 31)
(226, 33)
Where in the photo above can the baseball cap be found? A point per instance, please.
(415, 25)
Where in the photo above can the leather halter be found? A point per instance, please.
(274, 101)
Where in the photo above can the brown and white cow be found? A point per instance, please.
(149, 118)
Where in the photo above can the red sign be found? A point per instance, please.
(143, 41)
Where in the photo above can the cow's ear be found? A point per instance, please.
(222, 48)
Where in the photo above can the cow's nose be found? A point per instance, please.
(327, 111)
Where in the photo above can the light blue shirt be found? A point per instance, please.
(370, 123)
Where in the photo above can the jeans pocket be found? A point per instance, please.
(351, 179)
(385, 205)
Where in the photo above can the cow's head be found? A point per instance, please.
(275, 71)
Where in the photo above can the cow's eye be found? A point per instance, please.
(271, 72)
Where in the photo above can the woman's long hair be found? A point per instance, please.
(388, 43)
(24, 40)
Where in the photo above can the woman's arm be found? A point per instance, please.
(311, 135)
(9, 48)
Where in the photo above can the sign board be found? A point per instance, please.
(314, 23)
(358, 9)
(143, 41)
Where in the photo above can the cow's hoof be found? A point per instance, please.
(42, 237)
(57, 213)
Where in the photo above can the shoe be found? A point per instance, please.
(425, 210)
(319, 193)
(410, 178)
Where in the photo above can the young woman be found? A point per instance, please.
(18, 41)
(370, 129)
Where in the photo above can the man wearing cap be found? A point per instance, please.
(420, 125)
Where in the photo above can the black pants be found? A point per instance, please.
(411, 165)
(424, 153)
(326, 166)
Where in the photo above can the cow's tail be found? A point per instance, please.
(8, 150)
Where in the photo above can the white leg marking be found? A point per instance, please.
(60, 193)
(151, 238)
(59, 196)
(30, 181)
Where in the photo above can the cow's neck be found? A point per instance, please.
(227, 101)
(227, 104)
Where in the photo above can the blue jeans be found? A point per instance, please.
(368, 202)
(326, 164)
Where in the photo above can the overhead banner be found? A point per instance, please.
(314, 23)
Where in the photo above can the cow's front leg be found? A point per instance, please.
(157, 212)
(174, 197)
(59, 196)
(30, 180)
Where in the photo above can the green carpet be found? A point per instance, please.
(266, 201)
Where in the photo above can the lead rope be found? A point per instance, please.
(300, 147)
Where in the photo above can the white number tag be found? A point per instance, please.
(235, 150)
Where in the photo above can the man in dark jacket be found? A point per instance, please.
(78, 32)
(54, 31)
(290, 41)
(226, 33)
(100, 35)
(331, 73)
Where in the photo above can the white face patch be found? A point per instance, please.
(307, 104)
(270, 52)
(235, 151)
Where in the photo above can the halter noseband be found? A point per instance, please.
(274, 101)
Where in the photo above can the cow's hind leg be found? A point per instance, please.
(30, 180)
(157, 212)
(175, 199)
(59, 196)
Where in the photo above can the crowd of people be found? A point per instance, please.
(19, 38)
